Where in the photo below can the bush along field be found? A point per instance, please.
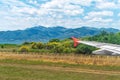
(56, 46)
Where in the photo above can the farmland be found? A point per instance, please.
(34, 66)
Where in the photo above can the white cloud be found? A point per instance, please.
(54, 6)
(62, 6)
(61, 3)
(106, 5)
(11, 3)
(24, 10)
(98, 14)
(101, 20)
(17, 14)
(33, 1)
(119, 14)
(118, 1)
(82, 2)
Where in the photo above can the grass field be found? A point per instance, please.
(32, 72)
(54, 67)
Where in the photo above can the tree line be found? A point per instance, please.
(106, 37)
(56, 46)
(66, 46)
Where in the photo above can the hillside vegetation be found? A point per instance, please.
(105, 37)
(57, 46)
(44, 34)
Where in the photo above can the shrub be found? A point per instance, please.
(24, 49)
(26, 43)
(84, 49)
(51, 45)
(34, 45)
(14, 50)
(54, 40)
(58, 49)
(67, 44)
(67, 50)
(40, 45)
(2, 46)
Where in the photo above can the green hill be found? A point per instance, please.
(44, 34)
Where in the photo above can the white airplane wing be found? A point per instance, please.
(105, 48)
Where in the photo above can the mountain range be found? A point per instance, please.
(41, 33)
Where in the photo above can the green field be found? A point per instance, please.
(30, 69)
(32, 73)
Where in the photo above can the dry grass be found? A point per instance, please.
(71, 59)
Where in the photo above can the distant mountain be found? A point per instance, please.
(40, 33)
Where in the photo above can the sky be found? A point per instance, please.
(22, 14)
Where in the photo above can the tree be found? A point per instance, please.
(2, 46)
(24, 49)
(40, 45)
(55, 47)
(34, 45)
(103, 33)
(58, 48)
(85, 49)
(67, 50)
(51, 45)
(54, 40)
(67, 44)
(26, 43)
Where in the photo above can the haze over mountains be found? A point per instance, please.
(41, 33)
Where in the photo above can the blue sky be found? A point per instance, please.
(21, 14)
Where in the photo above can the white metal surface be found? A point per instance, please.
(105, 46)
